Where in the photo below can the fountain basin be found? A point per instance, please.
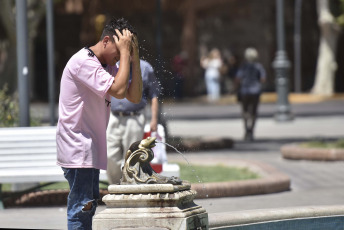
(292, 218)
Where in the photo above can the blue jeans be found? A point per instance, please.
(83, 196)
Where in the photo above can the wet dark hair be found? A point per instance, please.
(120, 24)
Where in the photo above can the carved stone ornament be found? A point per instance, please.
(137, 168)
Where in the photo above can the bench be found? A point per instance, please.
(28, 155)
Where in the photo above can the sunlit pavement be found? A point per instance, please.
(312, 183)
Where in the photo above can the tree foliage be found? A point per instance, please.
(9, 109)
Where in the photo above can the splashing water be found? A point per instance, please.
(187, 161)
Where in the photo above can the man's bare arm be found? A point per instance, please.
(134, 93)
(155, 111)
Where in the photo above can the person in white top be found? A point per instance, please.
(212, 64)
(88, 80)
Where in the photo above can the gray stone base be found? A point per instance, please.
(160, 210)
(110, 219)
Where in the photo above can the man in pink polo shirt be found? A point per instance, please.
(88, 80)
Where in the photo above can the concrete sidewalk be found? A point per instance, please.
(266, 128)
(312, 183)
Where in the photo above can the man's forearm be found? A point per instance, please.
(134, 93)
(119, 87)
(154, 114)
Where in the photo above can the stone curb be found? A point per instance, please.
(272, 181)
(296, 152)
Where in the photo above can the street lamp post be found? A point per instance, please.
(297, 47)
(159, 60)
(50, 54)
(281, 64)
(22, 63)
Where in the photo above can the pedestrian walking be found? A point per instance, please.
(179, 63)
(212, 64)
(249, 79)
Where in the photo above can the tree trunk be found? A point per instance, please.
(326, 65)
(8, 74)
(189, 44)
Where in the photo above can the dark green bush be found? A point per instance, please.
(9, 108)
(324, 144)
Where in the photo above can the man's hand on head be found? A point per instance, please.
(123, 41)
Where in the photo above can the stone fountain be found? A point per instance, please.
(147, 200)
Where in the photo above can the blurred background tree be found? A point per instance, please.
(35, 13)
(330, 20)
(191, 26)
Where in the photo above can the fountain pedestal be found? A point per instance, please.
(151, 206)
(147, 200)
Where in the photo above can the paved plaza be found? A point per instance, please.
(312, 182)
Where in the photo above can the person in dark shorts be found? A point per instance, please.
(249, 79)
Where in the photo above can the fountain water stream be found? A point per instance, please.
(189, 164)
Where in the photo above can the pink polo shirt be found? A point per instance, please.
(84, 112)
